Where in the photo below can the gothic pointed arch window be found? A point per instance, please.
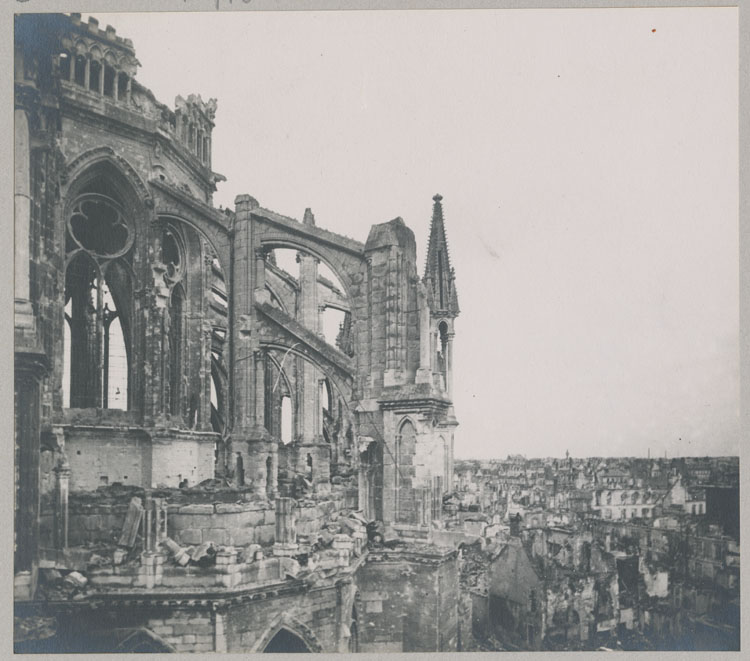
(405, 448)
(97, 300)
(442, 354)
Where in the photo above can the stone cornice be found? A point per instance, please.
(128, 122)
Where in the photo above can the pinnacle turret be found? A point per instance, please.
(439, 277)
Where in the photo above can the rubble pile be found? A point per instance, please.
(33, 627)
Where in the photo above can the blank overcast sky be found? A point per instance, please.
(588, 162)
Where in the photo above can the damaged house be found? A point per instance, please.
(198, 466)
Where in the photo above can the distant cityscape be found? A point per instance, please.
(598, 553)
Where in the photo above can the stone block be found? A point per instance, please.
(163, 630)
(197, 509)
(217, 535)
(191, 536)
(229, 508)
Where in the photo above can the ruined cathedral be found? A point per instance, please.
(198, 465)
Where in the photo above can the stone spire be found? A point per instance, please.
(439, 277)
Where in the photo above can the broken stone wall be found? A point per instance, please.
(410, 604)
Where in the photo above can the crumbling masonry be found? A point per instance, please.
(196, 465)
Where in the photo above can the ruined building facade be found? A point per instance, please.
(158, 345)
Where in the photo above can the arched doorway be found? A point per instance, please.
(286, 641)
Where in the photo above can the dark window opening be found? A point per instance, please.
(443, 353)
(309, 468)
(65, 62)
(286, 641)
(122, 86)
(269, 477)
(109, 80)
(95, 70)
(175, 351)
(170, 253)
(80, 70)
(354, 638)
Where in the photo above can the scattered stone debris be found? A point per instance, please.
(203, 555)
(119, 556)
(76, 580)
(179, 554)
(34, 627)
(132, 523)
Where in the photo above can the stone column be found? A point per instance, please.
(154, 303)
(220, 638)
(87, 72)
(321, 316)
(62, 481)
(204, 416)
(391, 374)
(308, 317)
(262, 295)
(22, 202)
(424, 372)
(242, 286)
(30, 367)
(249, 435)
(285, 542)
(102, 71)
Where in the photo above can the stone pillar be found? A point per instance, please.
(30, 368)
(22, 202)
(424, 372)
(285, 542)
(262, 295)
(220, 638)
(154, 303)
(62, 481)
(204, 416)
(249, 435)
(87, 73)
(321, 316)
(242, 285)
(308, 317)
(128, 90)
(391, 374)
(102, 70)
